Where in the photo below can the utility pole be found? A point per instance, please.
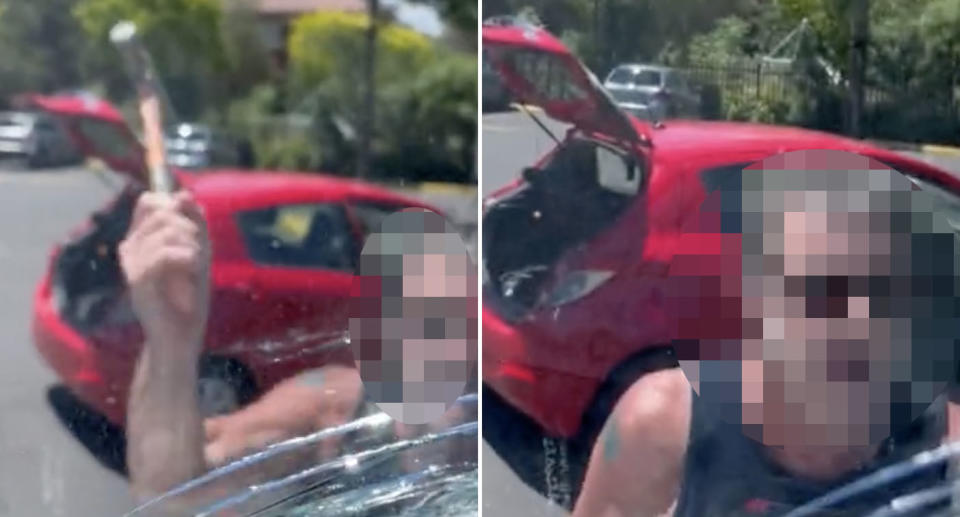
(859, 39)
(368, 123)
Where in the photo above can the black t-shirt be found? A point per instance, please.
(727, 474)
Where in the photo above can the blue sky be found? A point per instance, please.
(421, 17)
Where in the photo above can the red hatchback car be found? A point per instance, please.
(284, 250)
(575, 252)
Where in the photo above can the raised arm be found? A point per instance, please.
(165, 259)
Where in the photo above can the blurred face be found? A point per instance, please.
(829, 298)
(820, 371)
(413, 317)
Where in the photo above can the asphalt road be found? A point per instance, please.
(44, 468)
(512, 141)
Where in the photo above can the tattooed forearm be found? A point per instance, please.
(314, 378)
(611, 440)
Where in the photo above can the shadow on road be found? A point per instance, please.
(19, 165)
(104, 440)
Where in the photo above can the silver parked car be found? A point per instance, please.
(495, 95)
(196, 146)
(37, 138)
(657, 90)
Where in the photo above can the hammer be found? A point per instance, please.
(149, 99)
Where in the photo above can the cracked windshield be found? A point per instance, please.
(240, 256)
(719, 257)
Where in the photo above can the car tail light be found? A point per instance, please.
(575, 285)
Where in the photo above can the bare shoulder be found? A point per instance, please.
(650, 422)
(658, 403)
(636, 467)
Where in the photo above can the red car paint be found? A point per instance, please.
(552, 362)
(276, 321)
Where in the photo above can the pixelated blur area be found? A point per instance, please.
(815, 299)
(413, 316)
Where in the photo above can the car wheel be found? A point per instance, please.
(223, 387)
(622, 377)
(37, 158)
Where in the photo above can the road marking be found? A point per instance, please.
(940, 150)
(932, 149)
(456, 189)
(500, 129)
(37, 179)
(67, 178)
(529, 107)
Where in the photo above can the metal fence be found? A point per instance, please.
(894, 111)
(743, 78)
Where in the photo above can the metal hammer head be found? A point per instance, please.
(123, 32)
(125, 37)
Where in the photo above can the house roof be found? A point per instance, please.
(295, 7)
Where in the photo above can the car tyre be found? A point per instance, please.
(37, 158)
(223, 386)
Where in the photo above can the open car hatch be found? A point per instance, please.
(98, 130)
(538, 69)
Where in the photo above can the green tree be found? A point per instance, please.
(40, 47)
(607, 32)
(727, 41)
(429, 124)
(460, 17)
(247, 58)
(914, 61)
(426, 98)
(830, 24)
(939, 24)
(184, 39)
(462, 14)
(328, 46)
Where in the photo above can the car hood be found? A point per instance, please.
(539, 70)
(98, 130)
